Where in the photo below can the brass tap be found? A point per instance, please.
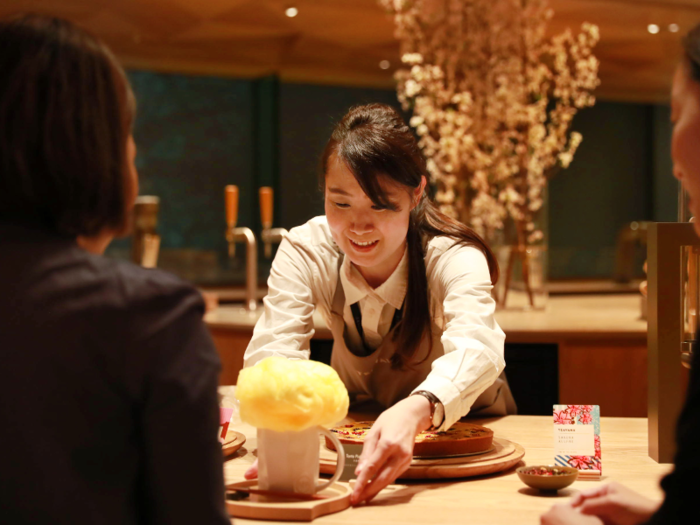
(269, 234)
(237, 234)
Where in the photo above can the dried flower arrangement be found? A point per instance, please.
(493, 99)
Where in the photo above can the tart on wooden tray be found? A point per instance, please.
(460, 439)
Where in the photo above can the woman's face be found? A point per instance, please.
(131, 188)
(133, 176)
(685, 143)
(372, 238)
(98, 243)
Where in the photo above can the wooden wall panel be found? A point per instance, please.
(612, 374)
(231, 346)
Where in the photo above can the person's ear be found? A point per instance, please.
(418, 192)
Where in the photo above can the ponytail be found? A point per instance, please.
(416, 321)
(427, 222)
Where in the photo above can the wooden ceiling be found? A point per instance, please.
(343, 41)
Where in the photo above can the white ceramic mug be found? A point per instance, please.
(289, 461)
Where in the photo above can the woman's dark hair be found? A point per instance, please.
(691, 44)
(374, 141)
(66, 111)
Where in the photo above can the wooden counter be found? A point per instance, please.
(602, 357)
(594, 316)
(581, 317)
(499, 498)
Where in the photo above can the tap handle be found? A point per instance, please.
(266, 206)
(231, 193)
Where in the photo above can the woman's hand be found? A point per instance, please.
(566, 514)
(388, 447)
(615, 504)
(252, 472)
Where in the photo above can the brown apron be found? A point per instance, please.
(372, 376)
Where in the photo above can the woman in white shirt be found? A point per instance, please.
(405, 290)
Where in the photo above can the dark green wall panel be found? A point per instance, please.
(607, 186)
(308, 114)
(197, 134)
(664, 186)
(194, 136)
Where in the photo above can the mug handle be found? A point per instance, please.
(340, 465)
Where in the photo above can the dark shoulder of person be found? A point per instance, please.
(103, 359)
(151, 299)
(126, 322)
(162, 317)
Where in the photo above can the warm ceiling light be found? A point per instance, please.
(385, 64)
(653, 29)
(673, 28)
(291, 12)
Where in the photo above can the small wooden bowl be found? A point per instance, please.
(565, 476)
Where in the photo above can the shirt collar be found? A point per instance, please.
(392, 291)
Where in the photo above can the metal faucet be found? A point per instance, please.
(234, 235)
(269, 234)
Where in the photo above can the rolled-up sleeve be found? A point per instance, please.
(472, 340)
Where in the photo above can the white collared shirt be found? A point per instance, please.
(304, 277)
(377, 305)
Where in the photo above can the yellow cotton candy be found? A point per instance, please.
(291, 395)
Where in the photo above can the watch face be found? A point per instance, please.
(437, 410)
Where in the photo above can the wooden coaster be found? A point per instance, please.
(337, 498)
(234, 440)
(505, 455)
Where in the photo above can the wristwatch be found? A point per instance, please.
(437, 411)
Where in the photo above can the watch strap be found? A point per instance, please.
(434, 402)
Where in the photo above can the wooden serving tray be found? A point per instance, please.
(337, 499)
(234, 440)
(505, 454)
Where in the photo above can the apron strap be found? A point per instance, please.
(339, 305)
(357, 316)
(339, 294)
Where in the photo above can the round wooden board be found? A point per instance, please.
(337, 499)
(505, 455)
(234, 440)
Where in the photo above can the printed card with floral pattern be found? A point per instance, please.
(577, 438)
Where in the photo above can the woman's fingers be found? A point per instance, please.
(366, 470)
(388, 448)
(252, 471)
(378, 477)
(368, 449)
(387, 462)
(565, 514)
(620, 507)
(581, 497)
(601, 506)
(387, 475)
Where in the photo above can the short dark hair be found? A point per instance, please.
(66, 111)
(374, 141)
(691, 45)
